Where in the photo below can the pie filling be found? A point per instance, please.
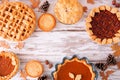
(105, 24)
(6, 66)
(76, 68)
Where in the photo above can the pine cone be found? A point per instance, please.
(45, 6)
(43, 78)
(111, 60)
(101, 66)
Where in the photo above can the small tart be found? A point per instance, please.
(103, 25)
(71, 68)
(34, 68)
(68, 11)
(9, 64)
(46, 22)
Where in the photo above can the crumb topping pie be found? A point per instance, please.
(103, 25)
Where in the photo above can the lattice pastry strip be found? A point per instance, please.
(17, 21)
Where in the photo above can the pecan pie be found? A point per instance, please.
(103, 25)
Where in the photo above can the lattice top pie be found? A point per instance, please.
(17, 21)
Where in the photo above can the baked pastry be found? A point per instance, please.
(74, 69)
(68, 11)
(103, 25)
(34, 68)
(17, 21)
(9, 64)
(46, 22)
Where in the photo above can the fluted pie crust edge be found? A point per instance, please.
(115, 39)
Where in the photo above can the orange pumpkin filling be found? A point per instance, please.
(6, 66)
(75, 68)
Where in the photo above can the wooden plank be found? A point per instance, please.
(64, 40)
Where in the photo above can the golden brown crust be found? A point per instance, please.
(34, 68)
(104, 41)
(118, 34)
(107, 7)
(109, 41)
(102, 8)
(68, 11)
(15, 62)
(74, 59)
(116, 39)
(18, 21)
(88, 25)
(98, 40)
(93, 37)
(46, 22)
(118, 14)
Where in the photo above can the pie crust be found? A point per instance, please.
(68, 11)
(83, 61)
(115, 38)
(17, 21)
(34, 68)
(14, 62)
(46, 22)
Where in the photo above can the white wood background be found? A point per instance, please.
(64, 40)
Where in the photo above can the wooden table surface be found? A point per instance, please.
(64, 40)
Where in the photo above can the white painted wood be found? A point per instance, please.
(64, 40)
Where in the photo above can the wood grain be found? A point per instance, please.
(64, 40)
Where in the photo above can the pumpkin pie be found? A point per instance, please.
(74, 69)
(103, 25)
(9, 64)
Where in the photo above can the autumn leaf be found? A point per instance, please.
(117, 53)
(90, 1)
(23, 74)
(116, 48)
(118, 65)
(106, 74)
(85, 9)
(4, 44)
(35, 3)
(20, 45)
(109, 72)
(102, 74)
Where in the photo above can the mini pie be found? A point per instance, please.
(34, 68)
(103, 25)
(71, 68)
(17, 21)
(46, 22)
(9, 64)
(68, 11)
